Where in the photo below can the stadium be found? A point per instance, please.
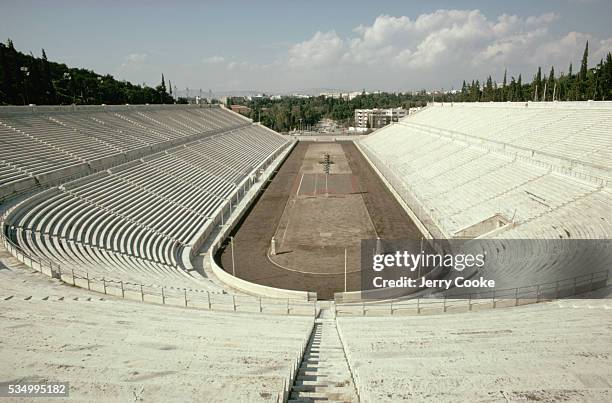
(127, 208)
(156, 246)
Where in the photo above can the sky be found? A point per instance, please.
(296, 46)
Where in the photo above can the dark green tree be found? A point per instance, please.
(49, 96)
(503, 88)
(584, 64)
(550, 87)
(536, 85)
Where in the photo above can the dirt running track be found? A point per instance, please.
(253, 234)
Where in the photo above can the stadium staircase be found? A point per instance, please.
(324, 372)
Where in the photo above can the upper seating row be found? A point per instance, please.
(42, 148)
(572, 131)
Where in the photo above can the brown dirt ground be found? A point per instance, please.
(252, 236)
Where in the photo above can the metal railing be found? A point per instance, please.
(467, 302)
(176, 296)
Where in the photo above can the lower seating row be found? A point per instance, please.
(540, 352)
(105, 347)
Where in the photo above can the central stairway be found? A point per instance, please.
(324, 374)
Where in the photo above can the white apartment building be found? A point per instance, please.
(375, 118)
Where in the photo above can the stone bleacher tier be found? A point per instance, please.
(133, 220)
(545, 168)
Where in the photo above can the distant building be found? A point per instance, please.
(257, 97)
(229, 100)
(414, 110)
(347, 96)
(335, 95)
(241, 109)
(326, 125)
(375, 118)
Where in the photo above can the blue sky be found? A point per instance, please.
(280, 46)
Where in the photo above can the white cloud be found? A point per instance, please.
(233, 65)
(322, 49)
(536, 21)
(445, 36)
(432, 50)
(134, 61)
(437, 48)
(214, 60)
(136, 58)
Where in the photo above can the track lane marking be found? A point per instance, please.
(300, 185)
(286, 227)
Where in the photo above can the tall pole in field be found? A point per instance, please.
(233, 263)
(344, 269)
(419, 273)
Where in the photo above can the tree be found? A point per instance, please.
(550, 87)
(503, 90)
(511, 94)
(6, 93)
(584, 64)
(49, 96)
(475, 91)
(162, 94)
(488, 94)
(581, 82)
(46, 82)
(607, 77)
(536, 85)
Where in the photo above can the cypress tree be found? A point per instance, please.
(503, 91)
(607, 77)
(536, 85)
(6, 94)
(49, 95)
(13, 74)
(510, 95)
(584, 64)
(34, 82)
(489, 90)
(551, 84)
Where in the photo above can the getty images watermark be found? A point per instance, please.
(412, 262)
(478, 268)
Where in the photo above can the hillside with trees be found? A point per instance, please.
(26, 79)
